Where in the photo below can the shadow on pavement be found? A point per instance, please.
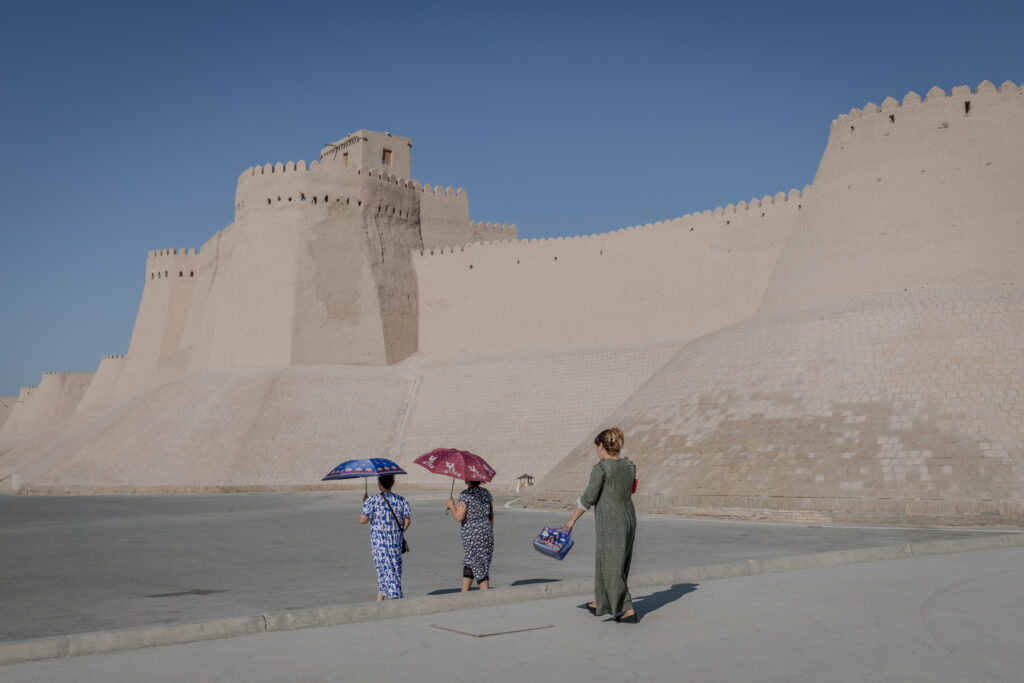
(520, 582)
(648, 603)
(527, 582)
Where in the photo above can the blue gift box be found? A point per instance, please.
(553, 542)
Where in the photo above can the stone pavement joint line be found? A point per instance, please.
(154, 636)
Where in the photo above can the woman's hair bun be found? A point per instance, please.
(611, 439)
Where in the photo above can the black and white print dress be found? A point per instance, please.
(477, 533)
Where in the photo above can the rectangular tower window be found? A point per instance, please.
(386, 157)
(344, 158)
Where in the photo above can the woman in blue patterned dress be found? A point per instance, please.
(386, 535)
(475, 510)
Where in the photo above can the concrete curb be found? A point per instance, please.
(14, 652)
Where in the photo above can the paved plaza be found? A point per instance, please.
(80, 564)
(953, 618)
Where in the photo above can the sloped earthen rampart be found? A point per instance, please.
(102, 387)
(863, 410)
(7, 404)
(53, 400)
(10, 426)
(279, 427)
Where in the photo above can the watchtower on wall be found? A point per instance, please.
(367, 149)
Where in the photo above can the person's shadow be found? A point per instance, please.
(648, 603)
(520, 582)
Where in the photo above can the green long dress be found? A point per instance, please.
(610, 494)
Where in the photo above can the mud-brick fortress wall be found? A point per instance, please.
(11, 425)
(160, 321)
(49, 403)
(7, 404)
(850, 352)
(314, 269)
(671, 279)
(913, 196)
(883, 379)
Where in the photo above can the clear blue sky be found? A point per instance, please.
(124, 126)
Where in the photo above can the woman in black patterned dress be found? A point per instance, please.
(475, 510)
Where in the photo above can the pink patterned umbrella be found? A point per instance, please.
(456, 464)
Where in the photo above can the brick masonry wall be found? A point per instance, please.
(893, 408)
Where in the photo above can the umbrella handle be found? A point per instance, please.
(450, 495)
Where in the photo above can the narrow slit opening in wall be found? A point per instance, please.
(967, 107)
(892, 118)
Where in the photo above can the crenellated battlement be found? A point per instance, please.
(709, 218)
(968, 100)
(919, 193)
(181, 263)
(115, 357)
(294, 185)
(191, 251)
(294, 169)
(493, 232)
(73, 373)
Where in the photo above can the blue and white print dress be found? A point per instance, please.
(386, 541)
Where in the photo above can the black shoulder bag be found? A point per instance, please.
(405, 546)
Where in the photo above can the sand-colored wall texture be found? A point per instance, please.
(670, 279)
(103, 385)
(10, 426)
(7, 404)
(907, 197)
(869, 409)
(54, 399)
(282, 427)
(520, 412)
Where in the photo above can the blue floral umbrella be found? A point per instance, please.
(364, 467)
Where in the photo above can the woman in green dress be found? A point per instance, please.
(610, 494)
